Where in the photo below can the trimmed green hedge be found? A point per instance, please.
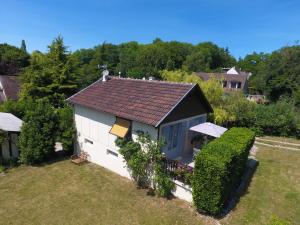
(219, 167)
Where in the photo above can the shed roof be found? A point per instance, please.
(144, 101)
(9, 122)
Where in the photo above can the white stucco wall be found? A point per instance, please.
(183, 191)
(136, 126)
(95, 126)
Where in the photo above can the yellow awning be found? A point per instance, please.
(120, 128)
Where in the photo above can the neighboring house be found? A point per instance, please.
(9, 88)
(119, 107)
(232, 80)
(10, 127)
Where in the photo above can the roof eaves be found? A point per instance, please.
(160, 121)
(68, 99)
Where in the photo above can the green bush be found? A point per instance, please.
(2, 169)
(144, 160)
(280, 119)
(219, 167)
(37, 138)
(66, 128)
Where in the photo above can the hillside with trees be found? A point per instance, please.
(58, 73)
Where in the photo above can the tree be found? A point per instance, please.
(66, 127)
(37, 138)
(208, 57)
(23, 46)
(256, 65)
(50, 75)
(12, 59)
(212, 90)
(283, 73)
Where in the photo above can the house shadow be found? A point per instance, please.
(242, 189)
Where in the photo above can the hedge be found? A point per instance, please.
(218, 169)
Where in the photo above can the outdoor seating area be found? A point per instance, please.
(181, 167)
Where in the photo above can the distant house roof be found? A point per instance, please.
(9, 88)
(241, 77)
(144, 101)
(9, 122)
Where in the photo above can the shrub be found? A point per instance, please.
(277, 119)
(281, 118)
(144, 159)
(2, 169)
(218, 169)
(37, 138)
(66, 128)
(163, 184)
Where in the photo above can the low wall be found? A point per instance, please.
(183, 191)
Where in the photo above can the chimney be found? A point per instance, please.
(104, 75)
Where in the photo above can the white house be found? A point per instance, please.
(10, 127)
(119, 107)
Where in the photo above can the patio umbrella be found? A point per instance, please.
(209, 129)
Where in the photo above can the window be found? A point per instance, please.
(224, 83)
(110, 152)
(88, 141)
(235, 84)
(173, 136)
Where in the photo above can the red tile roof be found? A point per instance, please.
(10, 88)
(144, 101)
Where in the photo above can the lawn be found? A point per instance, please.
(274, 189)
(63, 193)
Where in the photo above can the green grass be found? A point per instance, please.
(63, 193)
(274, 190)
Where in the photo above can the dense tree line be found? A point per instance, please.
(277, 75)
(143, 60)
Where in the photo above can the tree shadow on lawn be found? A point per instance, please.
(56, 157)
(151, 192)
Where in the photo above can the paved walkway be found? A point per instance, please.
(277, 144)
(280, 142)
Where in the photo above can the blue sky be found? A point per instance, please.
(242, 26)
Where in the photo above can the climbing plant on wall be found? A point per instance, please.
(144, 159)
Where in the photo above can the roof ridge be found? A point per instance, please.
(154, 81)
(226, 74)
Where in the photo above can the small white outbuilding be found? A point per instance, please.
(10, 127)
